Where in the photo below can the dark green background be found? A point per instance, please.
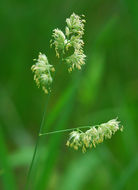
(106, 88)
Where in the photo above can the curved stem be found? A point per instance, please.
(36, 145)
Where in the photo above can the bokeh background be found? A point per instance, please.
(106, 88)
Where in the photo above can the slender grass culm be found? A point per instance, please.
(71, 40)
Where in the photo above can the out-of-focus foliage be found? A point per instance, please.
(104, 89)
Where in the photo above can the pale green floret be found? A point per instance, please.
(59, 41)
(42, 72)
(93, 136)
(74, 140)
(67, 32)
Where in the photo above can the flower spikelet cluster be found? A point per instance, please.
(42, 72)
(71, 39)
(93, 136)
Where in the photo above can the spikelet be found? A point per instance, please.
(59, 41)
(75, 25)
(42, 72)
(76, 60)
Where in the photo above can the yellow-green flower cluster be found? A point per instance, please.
(42, 72)
(93, 136)
(71, 39)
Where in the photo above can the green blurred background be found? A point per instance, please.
(106, 88)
